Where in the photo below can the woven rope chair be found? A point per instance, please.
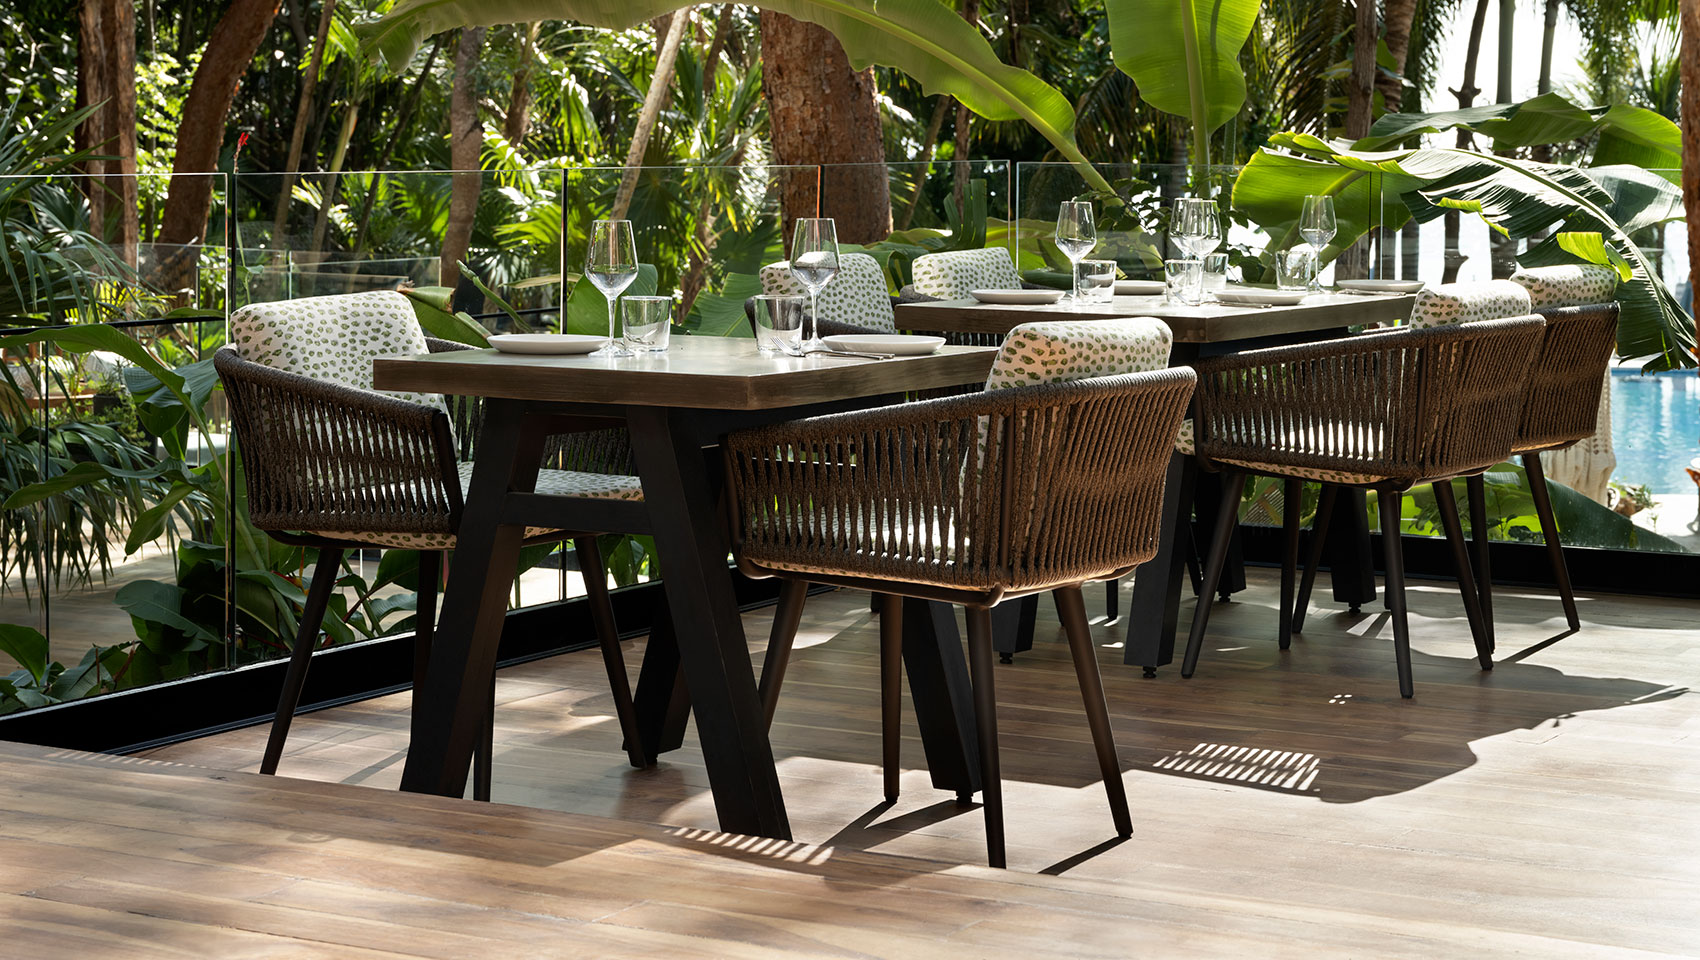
(972, 500)
(333, 465)
(1384, 411)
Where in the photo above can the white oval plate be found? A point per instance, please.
(1139, 288)
(1273, 298)
(1016, 296)
(546, 342)
(1381, 286)
(900, 344)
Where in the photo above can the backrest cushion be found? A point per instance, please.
(950, 275)
(856, 296)
(1567, 285)
(1450, 303)
(1056, 351)
(331, 338)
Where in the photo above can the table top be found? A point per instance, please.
(1210, 323)
(711, 373)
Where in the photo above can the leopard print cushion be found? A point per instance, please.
(1569, 285)
(1055, 351)
(1306, 473)
(333, 338)
(1449, 303)
(562, 483)
(950, 275)
(856, 296)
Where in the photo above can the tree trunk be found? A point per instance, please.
(327, 196)
(466, 142)
(519, 104)
(926, 159)
(659, 81)
(200, 135)
(964, 129)
(1360, 85)
(822, 112)
(1507, 48)
(404, 118)
(1690, 66)
(106, 79)
(1549, 33)
(303, 112)
(1398, 15)
(1466, 93)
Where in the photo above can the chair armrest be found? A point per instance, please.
(325, 456)
(1407, 404)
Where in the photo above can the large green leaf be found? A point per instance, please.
(1626, 134)
(926, 40)
(587, 309)
(27, 646)
(150, 602)
(721, 314)
(1184, 55)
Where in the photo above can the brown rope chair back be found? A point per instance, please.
(1562, 403)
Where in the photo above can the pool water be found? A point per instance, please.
(1655, 429)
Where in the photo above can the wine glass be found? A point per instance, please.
(1077, 234)
(610, 262)
(1197, 226)
(814, 262)
(1317, 225)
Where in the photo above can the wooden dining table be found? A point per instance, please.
(1199, 331)
(676, 406)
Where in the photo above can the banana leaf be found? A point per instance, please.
(1184, 55)
(926, 40)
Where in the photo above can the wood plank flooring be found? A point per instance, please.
(1285, 804)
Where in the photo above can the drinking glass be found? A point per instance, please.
(779, 325)
(1295, 267)
(610, 262)
(1094, 280)
(1197, 226)
(1182, 281)
(1215, 267)
(1318, 226)
(1077, 234)
(814, 262)
(648, 323)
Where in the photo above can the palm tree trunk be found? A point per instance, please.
(327, 196)
(1507, 48)
(659, 81)
(1466, 93)
(964, 132)
(466, 142)
(106, 80)
(1360, 85)
(1397, 16)
(298, 133)
(403, 119)
(1689, 11)
(519, 101)
(926, 159)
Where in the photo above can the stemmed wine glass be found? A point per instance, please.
(1197, 229)
(814, 262)
(611, 264)
(1077, 234)
(1317, 225)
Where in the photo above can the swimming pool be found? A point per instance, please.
(1655, 428)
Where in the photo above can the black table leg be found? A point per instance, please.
(662, 704)
(1207, 496)
(713, 652)
(943, 695)
(1351, 562)
(1155, 609)
(448, 714)
(1012, 627)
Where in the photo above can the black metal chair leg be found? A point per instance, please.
(786, 618)
(1072, 605)
(1193, 571)
(425, 613)
(986, 721)
(312, 616)
(1395, 550)
(891, 691)
(1313, 557)
(1549, 533)
(1213, 565)
(1476, 488)
(484, 755)
(608, 639)
(1292, 494)
(1448, 503)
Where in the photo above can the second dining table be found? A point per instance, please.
(1200, 331)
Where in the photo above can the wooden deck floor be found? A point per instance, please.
(1285, 805)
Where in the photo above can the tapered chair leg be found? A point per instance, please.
(1395, 549)
(312, 615)
(1112, 598)
(1448, 503)
(891, 690)
(1476, 488)
(986, 722)
(787, 617)
(1213, 564)
(1313, 557)
(1193, 571)
(1292, 493)
(1549, 533)
(1072, 606)
(484, 759)
(608, 639)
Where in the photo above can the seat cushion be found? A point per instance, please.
(1306, 473)
(856, 296)
(561, 483)
(1057, 351)
(1567, 285)
(333, 338)
(950, 275)
(1464, 302)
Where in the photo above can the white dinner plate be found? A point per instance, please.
(1272, 298)
(1381, 286)
(1016, 296)
(1139, 288)
(546, 342)
(901, 344)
